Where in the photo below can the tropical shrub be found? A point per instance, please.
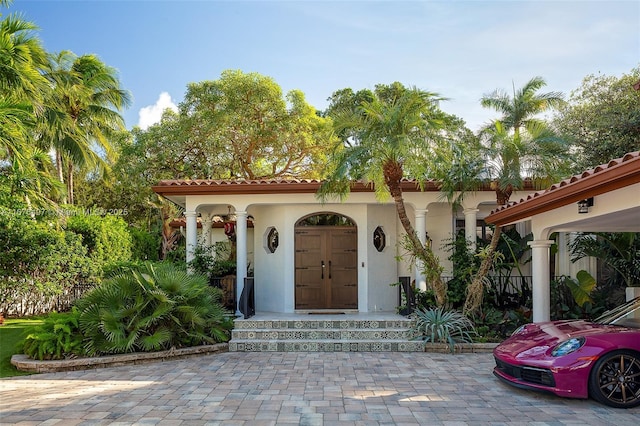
(39, 264)
(154, 307)
(106, 237)
(619, 254)
(58, 337)
(575, 298)
(465, 265)
(144, 245)
(214, 261)
(439, 325)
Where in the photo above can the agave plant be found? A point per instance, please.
(439, 325)
(152, 308)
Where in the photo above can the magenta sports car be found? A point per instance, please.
(577, 359)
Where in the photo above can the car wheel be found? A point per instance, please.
(615, 379)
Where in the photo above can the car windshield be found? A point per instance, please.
(626, 315)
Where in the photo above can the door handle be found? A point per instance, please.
(329, 269)
(322, 269)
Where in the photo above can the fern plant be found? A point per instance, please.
(152, 308)
(439, 325)
(58, 337)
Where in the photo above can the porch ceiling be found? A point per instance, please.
(618, 221)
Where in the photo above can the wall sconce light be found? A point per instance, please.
(583, 205)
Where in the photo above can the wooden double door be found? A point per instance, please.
(326, 267)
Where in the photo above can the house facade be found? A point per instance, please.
(338, 255)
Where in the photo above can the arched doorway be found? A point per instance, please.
(326, 262)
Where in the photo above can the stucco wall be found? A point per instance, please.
(381, 267)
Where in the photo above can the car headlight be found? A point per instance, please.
(568, 346)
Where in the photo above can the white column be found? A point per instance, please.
(206, 229)
(241, 254)
(541, 286)
(192, 233)
(421, 230)
(470, 227)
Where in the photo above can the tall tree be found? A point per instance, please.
(521, 109)
(517, 145)
(25, 178)
(258, 132)
(21, 86)
(82, 111)
(21, 59)
(384, 139)
(602, 119)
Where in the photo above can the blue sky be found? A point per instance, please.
(459, 49)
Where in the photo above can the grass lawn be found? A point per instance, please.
(11, 333)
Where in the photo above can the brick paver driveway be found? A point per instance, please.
(294, 388)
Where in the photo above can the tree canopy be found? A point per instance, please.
(602, 118)
(251, 130)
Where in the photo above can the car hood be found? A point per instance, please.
(538, 339)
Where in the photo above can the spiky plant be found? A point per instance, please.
(152, 308)
(439, 325)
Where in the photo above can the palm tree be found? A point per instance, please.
(516, 146)
(21, 59)
(382, 139)
(520, 110)
(21, 86)
(82, 112)
(32, 182)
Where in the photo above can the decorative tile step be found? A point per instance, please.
(322, 324)
(326, 346)
(377, 332)
(323, 334)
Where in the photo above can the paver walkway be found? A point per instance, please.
(294, 388)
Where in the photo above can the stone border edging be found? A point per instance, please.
(460, 348)
(24, 363)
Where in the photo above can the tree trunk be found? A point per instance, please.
(60, 170)
(431, 265)
(70, 183)
(475, 291)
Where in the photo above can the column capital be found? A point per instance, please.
(540, 243)
(190, 213)
(470, 210)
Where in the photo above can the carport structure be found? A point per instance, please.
(603, 199)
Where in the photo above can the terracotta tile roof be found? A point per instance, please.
(265, 186)
(615, 174)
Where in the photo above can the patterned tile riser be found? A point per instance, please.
(309, 346)
(310, 335)
(315, 325)
(322, 334)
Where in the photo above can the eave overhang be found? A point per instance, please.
(614, 175)
(283, 186)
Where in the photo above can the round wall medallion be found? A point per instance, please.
(272, 239)
(379, 239)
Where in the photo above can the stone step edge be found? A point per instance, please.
(320, 324)
(24, 363)
(321, 345)
(350, 329)
(305, 335)
(332, 330)
(428, 347)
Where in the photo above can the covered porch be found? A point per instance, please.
(603, 199)
(270, 217)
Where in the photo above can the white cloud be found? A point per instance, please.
(152, 114)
